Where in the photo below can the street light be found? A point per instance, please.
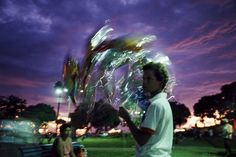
(58, 87)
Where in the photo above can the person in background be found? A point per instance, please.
(227, 133)
(154, 137)
(62, 146)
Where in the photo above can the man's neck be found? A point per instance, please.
(155, 93)
(64, 138)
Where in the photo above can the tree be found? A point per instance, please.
(104, 115)
(60, 121)
(39, 113)
(207, 106)
(79, 118)
(224, 102)
(228, 92)
(180, 112)
(100, 115)
(11, 106)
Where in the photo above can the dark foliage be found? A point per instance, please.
(180, 112)
(100, 114)
(224, 102)
(39, 113)
(11, 106)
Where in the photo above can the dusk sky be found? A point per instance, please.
(199, 36)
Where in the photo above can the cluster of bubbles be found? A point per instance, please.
(112, 70)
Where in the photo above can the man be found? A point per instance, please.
(227, 132)
(155, 134)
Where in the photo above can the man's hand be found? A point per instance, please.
(123, 113)
(140, 137)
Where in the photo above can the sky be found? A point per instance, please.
(199, 37)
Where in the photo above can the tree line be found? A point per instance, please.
(12, 107)
(224, 102)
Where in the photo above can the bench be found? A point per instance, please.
(31, 151)
(44, 150)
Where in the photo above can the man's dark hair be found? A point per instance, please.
(159, 71)
(63, 127)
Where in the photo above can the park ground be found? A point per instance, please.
(124, 147)
(186, 147)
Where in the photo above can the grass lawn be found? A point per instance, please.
(124, 147)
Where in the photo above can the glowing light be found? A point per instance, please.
(146, 40)
(194, 121)
(171, 97)
(80, 132)
(67, 119)
(43, 131)
(112, 131)
(162, 59)
(65, 90)
(51, 125)
(58, 91)
(100, 36)
(179, 130)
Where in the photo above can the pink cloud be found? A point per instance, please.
(203, 27)
(214, 84)
(217, 71)
(228, 55)
(33, 98)
(20, 82)
(194, 42)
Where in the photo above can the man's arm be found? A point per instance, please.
(142, 135)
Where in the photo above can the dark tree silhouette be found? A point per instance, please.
(180, 113)
(79, 118)
(229, 91)
(60, 121)
(39, 113)
(229, 99)
(207, 106)
(103, 114)
(11, 106)
(224, 102)
(100, 115)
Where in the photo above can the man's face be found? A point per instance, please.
(150, 83)
(67, 132)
